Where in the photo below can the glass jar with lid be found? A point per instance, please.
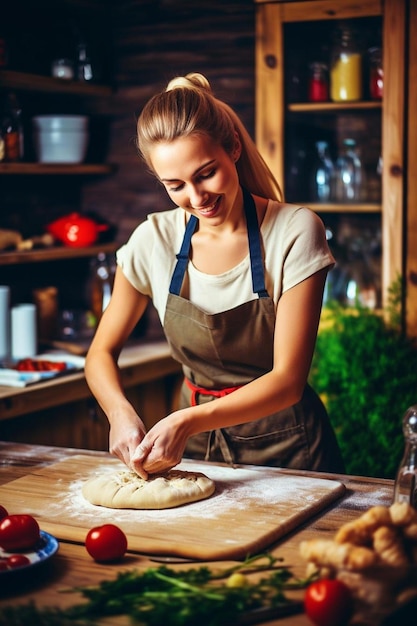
(346, 82)
(349, 175)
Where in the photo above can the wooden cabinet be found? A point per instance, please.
(290, 35)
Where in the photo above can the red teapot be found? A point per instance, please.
(76, 230)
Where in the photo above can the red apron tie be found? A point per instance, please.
(217, 393)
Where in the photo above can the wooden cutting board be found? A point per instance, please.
(251, 509)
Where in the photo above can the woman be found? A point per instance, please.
(237, 277)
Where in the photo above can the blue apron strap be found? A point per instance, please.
(182, 257)
(257, 266)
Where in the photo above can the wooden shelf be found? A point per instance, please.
(333, 107)
(32, 82)
(39, 169)
(343, 208)
(55, 253)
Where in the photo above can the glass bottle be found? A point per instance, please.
(84, 67)
(405, 489)
(349, 178)
(318, 84)
(12, 129)
(346, 67)
(100, 284)
(322, 174)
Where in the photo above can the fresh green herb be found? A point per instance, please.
(166, 596)
(364, 369)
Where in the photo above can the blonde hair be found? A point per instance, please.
(188, 107)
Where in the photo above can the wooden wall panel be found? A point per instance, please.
(154, 41)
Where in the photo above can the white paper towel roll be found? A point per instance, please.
(24, 333)
(4, 322)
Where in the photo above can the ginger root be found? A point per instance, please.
(389, 546)
(374, 555)
(382, 536)
(327, 553)
(360, 531)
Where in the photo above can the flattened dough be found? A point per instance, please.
(126, 490)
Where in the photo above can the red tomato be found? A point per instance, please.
(3, 512)
(106, 543)
(328, 602)
(17, 560)
(18, 532)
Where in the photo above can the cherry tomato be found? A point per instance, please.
(106, 543)
(18, 532)
(328, 602)
(17, 560)
(3, 512)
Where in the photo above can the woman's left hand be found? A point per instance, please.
(163, 446)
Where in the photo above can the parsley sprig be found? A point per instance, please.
(170, 597)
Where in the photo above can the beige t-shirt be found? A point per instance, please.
(294, 246)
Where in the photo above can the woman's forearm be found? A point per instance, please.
(264, 396)
(104, 380)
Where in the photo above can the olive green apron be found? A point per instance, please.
(230, 349)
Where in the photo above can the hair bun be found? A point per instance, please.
(190, 81)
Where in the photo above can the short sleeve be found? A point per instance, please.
(305, 249)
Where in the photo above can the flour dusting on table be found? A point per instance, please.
(236, 490)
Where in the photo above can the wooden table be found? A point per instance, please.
(72, 566)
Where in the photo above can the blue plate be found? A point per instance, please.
(44, 549)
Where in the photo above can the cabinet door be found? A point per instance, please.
(411, 224)
(289, 35)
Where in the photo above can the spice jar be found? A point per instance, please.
(349, 182)
(318, 84)
(376, 74)
(62, 68)
(346, 67)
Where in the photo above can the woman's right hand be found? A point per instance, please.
(102, 372)
(125, 437)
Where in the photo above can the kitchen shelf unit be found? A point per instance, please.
(24, 81)
(397, 127)
(21, 81)
(55, 253)
(328, 109)
(34, 194)
(47, 169)
(33, 83)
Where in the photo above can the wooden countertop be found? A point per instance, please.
(72, 566)
(139, 363)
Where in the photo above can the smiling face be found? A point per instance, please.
(200, 177)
